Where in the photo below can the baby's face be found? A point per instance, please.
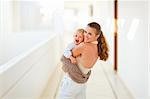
(78, 38)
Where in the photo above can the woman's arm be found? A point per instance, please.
(77, 51)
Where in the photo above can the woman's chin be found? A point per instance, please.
(86, 41)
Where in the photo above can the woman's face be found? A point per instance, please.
(90, 35)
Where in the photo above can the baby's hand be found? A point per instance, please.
(73, 60)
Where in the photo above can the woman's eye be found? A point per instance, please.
(90, 33)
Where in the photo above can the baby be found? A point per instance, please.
(78, 38)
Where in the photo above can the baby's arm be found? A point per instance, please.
(73, 60)
(68, 53)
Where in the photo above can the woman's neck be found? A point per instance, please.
(94, 42)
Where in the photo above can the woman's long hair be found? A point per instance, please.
(102, 44)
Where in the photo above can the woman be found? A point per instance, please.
(86, 53)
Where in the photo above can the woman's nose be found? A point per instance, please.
(85, 35)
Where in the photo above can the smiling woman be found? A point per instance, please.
(86, 54)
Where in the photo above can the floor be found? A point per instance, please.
(98, 85)
(105, 84)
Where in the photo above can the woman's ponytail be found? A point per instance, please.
(102, 47)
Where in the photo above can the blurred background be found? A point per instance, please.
(34, 33)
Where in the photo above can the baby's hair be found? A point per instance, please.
(81, 31)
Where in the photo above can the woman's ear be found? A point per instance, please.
(97, 36)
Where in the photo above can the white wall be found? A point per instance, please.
(23, 24)
(26, 76)
(27, 62)
(0, 32)
(5, 24)
(104, 14)
(149, 50)
(133, 46)
(21, 42)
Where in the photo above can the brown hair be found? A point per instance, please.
(102, 44)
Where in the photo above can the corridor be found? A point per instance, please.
(34, 34)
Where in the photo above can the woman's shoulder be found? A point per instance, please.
(86, 45)
(83, 45)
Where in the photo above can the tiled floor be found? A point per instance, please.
(104, 84)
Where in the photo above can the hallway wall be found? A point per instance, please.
(133, 46)
(5, 24)
(149, 49)
(30, 46)
(27, 21)
(104, 14)
(27, 75)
